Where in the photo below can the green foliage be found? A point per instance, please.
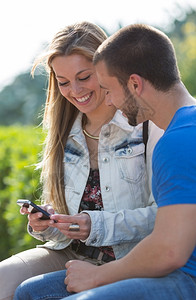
(184, 39)
(19, 149)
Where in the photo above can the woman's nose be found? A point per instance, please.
(76, 88)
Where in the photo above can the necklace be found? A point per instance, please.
(90, 136)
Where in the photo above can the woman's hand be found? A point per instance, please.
(34, 218)
(64, 221)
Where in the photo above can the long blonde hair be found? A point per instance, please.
(59, 115)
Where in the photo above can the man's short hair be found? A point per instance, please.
(143, 50)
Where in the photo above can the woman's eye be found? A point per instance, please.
(62, 83)
(85, 78)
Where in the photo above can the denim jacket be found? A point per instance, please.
(125, 181)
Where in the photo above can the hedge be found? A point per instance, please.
(19, 152)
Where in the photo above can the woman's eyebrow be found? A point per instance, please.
(78, 73)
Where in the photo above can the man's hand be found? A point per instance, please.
(64, 221)
(80, 276)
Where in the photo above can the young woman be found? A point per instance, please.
(94, 173)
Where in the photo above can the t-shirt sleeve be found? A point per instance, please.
(174, 168)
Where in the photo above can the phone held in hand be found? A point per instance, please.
(33, 208)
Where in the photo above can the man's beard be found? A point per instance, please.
(130, 108)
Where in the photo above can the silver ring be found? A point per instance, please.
(74, 227)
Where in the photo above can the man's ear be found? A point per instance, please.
(135, 84)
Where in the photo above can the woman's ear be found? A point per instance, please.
(135, 84)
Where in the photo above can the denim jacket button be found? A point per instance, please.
(107, 188)
(105, 159)
(130, 150)
(107, 134)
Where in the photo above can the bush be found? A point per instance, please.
(19, 149)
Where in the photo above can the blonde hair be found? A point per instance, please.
(59, 115)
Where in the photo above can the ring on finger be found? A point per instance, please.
(74, 227)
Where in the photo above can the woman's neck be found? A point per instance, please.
(96, 119)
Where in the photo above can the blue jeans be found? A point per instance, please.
(47, 286)
(176, 286)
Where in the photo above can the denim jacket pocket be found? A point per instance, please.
(72, 155)
(131, 163)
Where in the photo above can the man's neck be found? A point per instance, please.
(168, 103)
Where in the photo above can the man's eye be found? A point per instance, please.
(107, 93)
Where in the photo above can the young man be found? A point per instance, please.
(138, 65)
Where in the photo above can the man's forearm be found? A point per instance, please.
(147, 259)
(166, 249)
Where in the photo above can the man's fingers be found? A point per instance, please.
(68, 264)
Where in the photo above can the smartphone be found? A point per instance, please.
(33, 208)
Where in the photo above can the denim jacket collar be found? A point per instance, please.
(118, 120)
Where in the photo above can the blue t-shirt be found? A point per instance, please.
(174, 167)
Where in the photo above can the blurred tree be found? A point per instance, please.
(177, 28)
(21, 102)
(183, 35)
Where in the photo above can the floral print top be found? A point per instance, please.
(92, 200)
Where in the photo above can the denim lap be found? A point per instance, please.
(176, 286)
(48, 286)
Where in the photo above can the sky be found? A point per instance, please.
(27, 25)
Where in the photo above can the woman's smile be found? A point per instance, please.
(84, 99)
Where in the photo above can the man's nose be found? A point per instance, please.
(108, 100)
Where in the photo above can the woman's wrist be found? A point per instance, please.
(36, 231)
